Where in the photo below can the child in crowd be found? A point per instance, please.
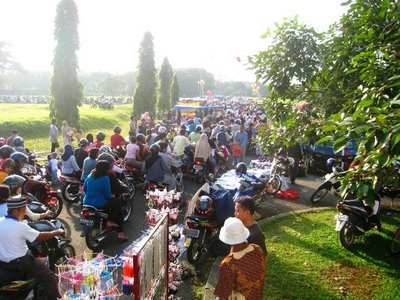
(235, 148)
(53, 166)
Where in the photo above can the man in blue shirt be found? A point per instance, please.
(241, 135)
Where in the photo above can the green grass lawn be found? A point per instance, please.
(33, 122)
(306, 260)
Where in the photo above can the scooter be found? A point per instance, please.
(253, 187)
(355, 218)
(330, 182)
(46, 195)
(72, 189)
(56, 250)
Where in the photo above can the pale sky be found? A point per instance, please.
(207, 34)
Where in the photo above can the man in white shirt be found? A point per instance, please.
(15, 262)
(53, 136)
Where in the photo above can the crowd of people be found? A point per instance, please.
(155, 148)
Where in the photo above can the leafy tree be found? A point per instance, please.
(289, 66)
(146, 84)
(66, 90)
(174, 91)
(6, 61)
(113, 85)
(164, 93)
(189, 81)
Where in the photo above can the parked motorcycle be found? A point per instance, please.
(279, 168)
(253, 187)
(94, 222)
(201, 170)
(201, 230)
(57, 249)
(71, 189)
(330, 182)
(46, 195)
(355, 218)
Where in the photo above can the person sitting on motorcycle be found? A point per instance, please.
(100, 137)
(19, 145)
(203, 150)
(89, 164)
(171, 163)
(15, 261)
(162, 137)
(195, 135)
(69, 167)
(144, 150)
(16, 185)
(4, 195)
(6, 169)
(98, 194)
(82, 152)
(116, 140)
(132, 156)
(223, 137)
(6, 151)
(155, 168)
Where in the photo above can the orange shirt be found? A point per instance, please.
(235, 150)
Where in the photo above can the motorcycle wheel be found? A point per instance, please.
(91, 235)
(193, 253)
(273, 185)
(69, 252)
(321, 192)
(126, 208)
(131, 188)
(395, 245)
(57, 206)
(259, 198)
(347, 235)
(70, 193)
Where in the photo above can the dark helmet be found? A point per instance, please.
(18, 141)
(141, 138)
(117, 129)
(6, 151)
(105, 149)
(107, 157)
(14, 181)
(100, 136)
(83, 142)
(241, 168)
(330, 162)
(154, 149)
(19, 158)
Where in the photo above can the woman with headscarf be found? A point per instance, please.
(203, 150)
(66, 132)
(69, 167)
(154, 167)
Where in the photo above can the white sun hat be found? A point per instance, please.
(233, 232)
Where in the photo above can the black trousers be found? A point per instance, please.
(28, 267)
(114, 209)
(54, 146)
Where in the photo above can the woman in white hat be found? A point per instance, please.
(242, 272)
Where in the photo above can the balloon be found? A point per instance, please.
(209, 93)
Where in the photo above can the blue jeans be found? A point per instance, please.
(235, 160)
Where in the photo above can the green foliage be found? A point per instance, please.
(113, 85)
(66, 90)
(146, 84)
(174, 90)
(165, 81)
(304, 250)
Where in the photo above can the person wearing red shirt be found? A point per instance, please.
(117, 141)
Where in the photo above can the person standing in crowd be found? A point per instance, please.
(178, 117)
(180, 142)
(15, 261)
(235, 148)
(242, 272)
(241, 135)
(53, 135)
(66, 132)
(10, 139)
(244, 211)
(133, 126)
(296, 153)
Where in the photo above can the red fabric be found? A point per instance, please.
(288, 194)
(117, 140)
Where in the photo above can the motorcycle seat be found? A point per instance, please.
(71, 179)
(132, 169)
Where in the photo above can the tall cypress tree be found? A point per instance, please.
(66, 90)
(165, 80)
(174, 91)
(146, 84)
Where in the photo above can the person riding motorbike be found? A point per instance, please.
(69, 167)
(19, 144)
(6, 169)
(98, 194)
(132, 156)
(204, 151)
(82, 152)
(16, 185)
(155, 168)
(171, 164)
(89, 164)
(100, 137)
(15, 260)
(116, 140)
